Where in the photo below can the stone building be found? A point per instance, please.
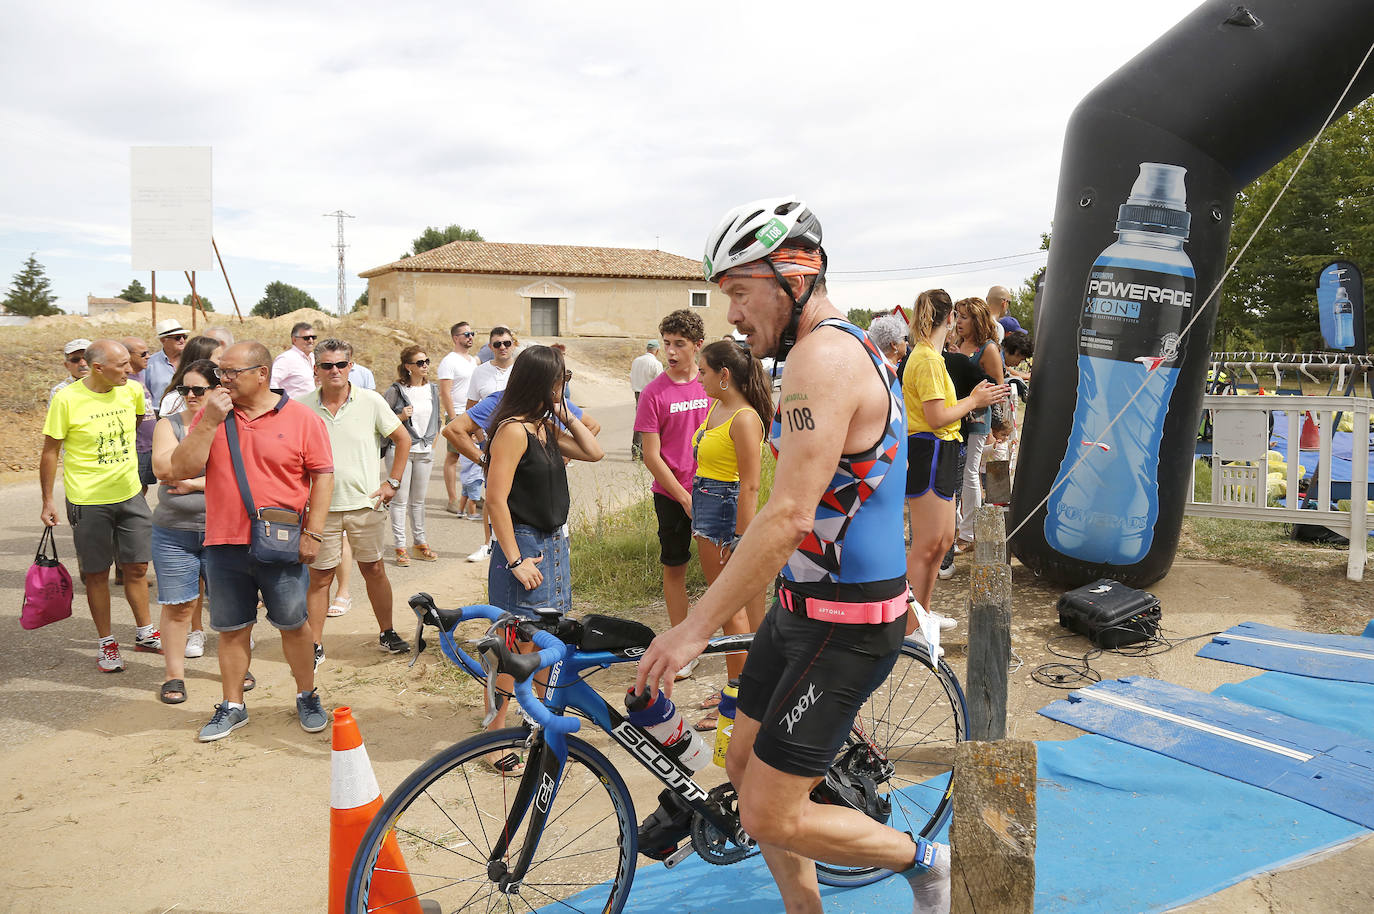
(544, 290)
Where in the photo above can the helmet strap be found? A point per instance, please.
(789, 335)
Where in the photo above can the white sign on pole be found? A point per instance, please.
(171, 208)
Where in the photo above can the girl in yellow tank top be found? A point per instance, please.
(725, 491)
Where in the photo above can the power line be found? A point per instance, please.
(939, 266)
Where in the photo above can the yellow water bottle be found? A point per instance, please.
(725, 720)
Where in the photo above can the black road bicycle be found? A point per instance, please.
(563, 835)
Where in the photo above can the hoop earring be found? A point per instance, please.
(724, 386)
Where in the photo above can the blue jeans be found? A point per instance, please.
(555, 591)
(235, 581)
(714, 505)
(179, 560)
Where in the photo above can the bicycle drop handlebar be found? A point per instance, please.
(521, 667)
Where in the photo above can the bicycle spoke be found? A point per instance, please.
(443, 847)
(557, 900)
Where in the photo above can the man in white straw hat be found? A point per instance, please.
(162, 365)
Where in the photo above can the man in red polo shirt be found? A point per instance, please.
(288, 463)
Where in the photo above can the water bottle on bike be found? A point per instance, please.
(665, 723)
(725, 720)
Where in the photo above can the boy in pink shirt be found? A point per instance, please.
(671, 408)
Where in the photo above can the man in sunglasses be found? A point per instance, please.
(455, 373)
(293, 372)
(487, 379)
(171, 336)
(138, 361)
(74, 360)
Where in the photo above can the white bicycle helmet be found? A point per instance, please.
(755, 230)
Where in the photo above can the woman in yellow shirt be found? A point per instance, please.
(725, 492)
(932, 418)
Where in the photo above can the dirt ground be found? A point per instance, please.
(112, 805)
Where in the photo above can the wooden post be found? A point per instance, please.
(989, 627)
(153, 296)
(992, 836)
(226, 279)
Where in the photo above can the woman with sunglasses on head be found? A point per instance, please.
(728, 448)
(531, 433)
(412, 397)
(197, 348)
(179, 533)
(933, 413)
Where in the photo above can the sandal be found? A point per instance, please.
(173, 692)
(424, 553)
(402, 559)
(249, 681)
(711, 702)
(707, 724)
(339, 607)
(509, 765)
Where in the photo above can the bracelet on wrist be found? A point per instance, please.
(511, 566)
(313, 535)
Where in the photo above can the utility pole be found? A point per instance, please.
(343, 281)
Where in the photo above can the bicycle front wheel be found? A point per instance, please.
(447, 817)
(903, 740)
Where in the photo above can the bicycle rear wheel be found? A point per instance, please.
(446, 817)
(903, 739)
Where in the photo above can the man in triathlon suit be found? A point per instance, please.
(834, 527)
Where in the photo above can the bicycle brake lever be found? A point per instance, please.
(418, 644)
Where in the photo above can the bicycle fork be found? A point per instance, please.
(533, 797)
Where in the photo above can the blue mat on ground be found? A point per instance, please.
(1344, 657)
(1328, 768)
(1342, 451)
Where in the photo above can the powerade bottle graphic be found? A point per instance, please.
(1139, 297)
(1343, 312)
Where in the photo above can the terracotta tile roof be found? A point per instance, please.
(546, 260)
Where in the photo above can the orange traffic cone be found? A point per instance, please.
(1311, 437)
(354, 799)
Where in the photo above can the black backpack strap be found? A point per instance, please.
(231, 435)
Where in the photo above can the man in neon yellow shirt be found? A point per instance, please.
(95, 421)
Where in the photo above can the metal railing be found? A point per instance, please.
(1240, 466)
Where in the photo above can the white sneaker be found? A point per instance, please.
(109, 660)
(687, 671)
(482, 554)
(195, 644)
(945, 622)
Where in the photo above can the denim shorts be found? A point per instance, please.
(473, 490)
(235, 581)
(714, 503)
(179, 560)
(554, 592)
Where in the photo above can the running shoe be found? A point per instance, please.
(225, 721)
(947, 565)
(109, 660)
(392, 643)
(195, 644)
(152, 644)
(319, 655)
(687, 671)
(311, 713)
(482, 554)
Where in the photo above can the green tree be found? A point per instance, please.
(862, 317)
(1022, 305)
(134, 291)
(280, 298)
(1326, 214)
(30, 292)
(361, 303)
(432, 238)
(204, 302)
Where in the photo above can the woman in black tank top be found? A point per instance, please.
(532, 433)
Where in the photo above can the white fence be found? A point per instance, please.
(1240, 468)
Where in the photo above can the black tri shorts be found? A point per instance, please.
(805, 681)
(932, 464)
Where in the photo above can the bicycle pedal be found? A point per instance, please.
(679, 855)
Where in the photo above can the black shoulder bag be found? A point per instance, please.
(274, 536)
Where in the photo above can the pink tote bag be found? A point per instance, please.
(47, 586)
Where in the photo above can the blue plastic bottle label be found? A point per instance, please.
(1132, 311)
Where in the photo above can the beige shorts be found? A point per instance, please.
(366, 531)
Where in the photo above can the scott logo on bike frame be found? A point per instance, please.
(647, 749)
(803, 705)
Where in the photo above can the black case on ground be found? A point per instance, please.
(1110, 614)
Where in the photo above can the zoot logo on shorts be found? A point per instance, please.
(772, 232)
(804, 704)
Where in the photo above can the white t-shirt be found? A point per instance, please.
(422, 404)
(456, 369)
(487, 379)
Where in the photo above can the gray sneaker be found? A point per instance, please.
(311, 712)
(225, 721)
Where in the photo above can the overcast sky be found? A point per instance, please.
(921, 133)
